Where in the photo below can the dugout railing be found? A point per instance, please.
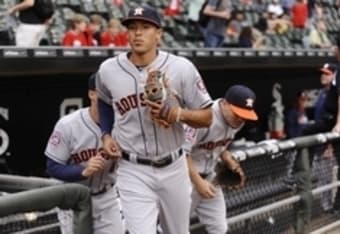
(37, 205)
(283, 193)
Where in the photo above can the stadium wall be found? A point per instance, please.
(38, 86)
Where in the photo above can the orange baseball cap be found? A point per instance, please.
(241, 100)
(328, 68)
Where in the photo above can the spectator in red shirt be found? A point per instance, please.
(299, 14)
(76, 36)
(114, 36)
(94, 28)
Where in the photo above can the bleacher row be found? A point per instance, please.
(179, 32)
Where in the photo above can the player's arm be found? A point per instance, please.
(21, 6)
(196, 118)
(193, 173)
(198, 113)
(203, 187)
(73, 173)
(106, 117)
(233, 165)
(106, 121)
(68, 173)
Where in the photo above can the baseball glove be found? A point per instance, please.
(229, 174)
(164, 104)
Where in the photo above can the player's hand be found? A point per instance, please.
(328, 152)
(206, 189)
(95, 164)
(111, 147)
(163, 113)
(336, 128)
(11, 11)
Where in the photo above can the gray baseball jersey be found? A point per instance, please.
(142, 188)
(121, 84)
(207, 144)
(75, 139)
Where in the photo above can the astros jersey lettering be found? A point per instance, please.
(206, 144)
(76, 143)
(121, 84)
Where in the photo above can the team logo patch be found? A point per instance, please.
(190, 134)
(249, 102)
(201, 86)
(138, 11)
(55, 138)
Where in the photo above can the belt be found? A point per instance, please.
(162, 162)
(103, 190)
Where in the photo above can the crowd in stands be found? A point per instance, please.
(88, 32)
(231, 23)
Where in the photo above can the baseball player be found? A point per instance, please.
(152, 175)
(206, 146)
(74, 154)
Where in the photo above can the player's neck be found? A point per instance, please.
(143, 60)
(94, 114)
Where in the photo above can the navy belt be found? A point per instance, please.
(103, 190)
(163, 162)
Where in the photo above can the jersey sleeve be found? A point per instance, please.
(198, 96)
(190, 138)
(102, 90)
(58, 146)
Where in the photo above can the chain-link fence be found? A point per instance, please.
(290, 187)
(37, 205)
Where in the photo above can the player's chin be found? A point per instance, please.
(140, 49)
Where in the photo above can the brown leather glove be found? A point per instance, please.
(163, 103)
(229, 173)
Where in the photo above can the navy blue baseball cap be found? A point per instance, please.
(241, 100)
(329, 68)
(146, 13)
(92, 82)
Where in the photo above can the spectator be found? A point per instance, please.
(324, 159)
(235, 26)
(219, 13)
(329, 121)
(93, 30)
(299, 14)
(248, 40)
(173, 8)
(262, 23)
(287, 6)
(76, 36)
(311, 4)
(194, 10)
(114, 35)
(32, 23)
(318, 37)
(277, 25)
(275, 8)
(296, 115)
